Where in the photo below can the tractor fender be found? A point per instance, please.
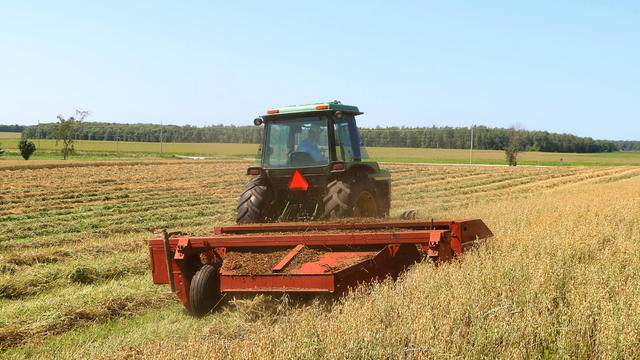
(361, 168)
(381, 178)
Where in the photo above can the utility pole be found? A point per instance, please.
(117, 139)
(471, 149)
(38, 135)
(160, 138)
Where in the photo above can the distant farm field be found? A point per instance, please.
(461, 156)
(560, 279)
(91, 150)
(9, 135)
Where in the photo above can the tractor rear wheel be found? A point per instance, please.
(357, 197)
(204, 292)
(255, 202)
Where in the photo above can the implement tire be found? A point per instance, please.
(204, 292)
(255, 202)
(355, 197)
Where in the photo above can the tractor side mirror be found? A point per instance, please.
(257, 121)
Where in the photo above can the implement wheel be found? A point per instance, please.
(255, 202)
(204, 292)
(351, 198)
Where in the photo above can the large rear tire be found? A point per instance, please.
(354, 197)
(204, 292)
(255, 202)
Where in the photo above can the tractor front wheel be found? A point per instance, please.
(255, 202)
(350, 198)
(204, 292)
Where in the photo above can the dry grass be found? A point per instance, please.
(559, 280)
(9, 135)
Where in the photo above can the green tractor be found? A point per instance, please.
(313, 165)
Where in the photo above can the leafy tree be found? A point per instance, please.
(512, 149)
(66, 129)
(26, 148)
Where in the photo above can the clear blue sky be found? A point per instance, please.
(561, 66)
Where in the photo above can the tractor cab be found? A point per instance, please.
(306, 151)
(311, 136)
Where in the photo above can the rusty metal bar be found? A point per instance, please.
(167, 255)
(314, 239)
(287, 259)
(277, 227)
(278, 283)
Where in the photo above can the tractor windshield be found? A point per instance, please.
(298, 142)
(349, 145)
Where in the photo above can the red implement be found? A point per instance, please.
(301, 257)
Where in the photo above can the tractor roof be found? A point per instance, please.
(313, 108)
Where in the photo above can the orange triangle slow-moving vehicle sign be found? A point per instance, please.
(298, 182)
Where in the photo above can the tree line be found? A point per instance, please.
(11, 128)
(153, 132)
(484, 138)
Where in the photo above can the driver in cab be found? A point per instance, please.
(309, 144)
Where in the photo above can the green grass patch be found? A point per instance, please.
(106, 150)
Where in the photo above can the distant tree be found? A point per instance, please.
(63, 131)
(26, 148)
(66, 129)
(512, 149)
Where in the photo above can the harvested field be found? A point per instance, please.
(560, 279)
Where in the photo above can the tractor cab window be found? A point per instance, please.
(299, 142)
(349, 145)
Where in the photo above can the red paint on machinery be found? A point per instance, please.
(301, 257)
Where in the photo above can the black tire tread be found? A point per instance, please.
(254, 201)
(336, 200)
(384, 206)
(204, 291)
(340, 196)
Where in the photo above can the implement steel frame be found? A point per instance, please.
(398, 244)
